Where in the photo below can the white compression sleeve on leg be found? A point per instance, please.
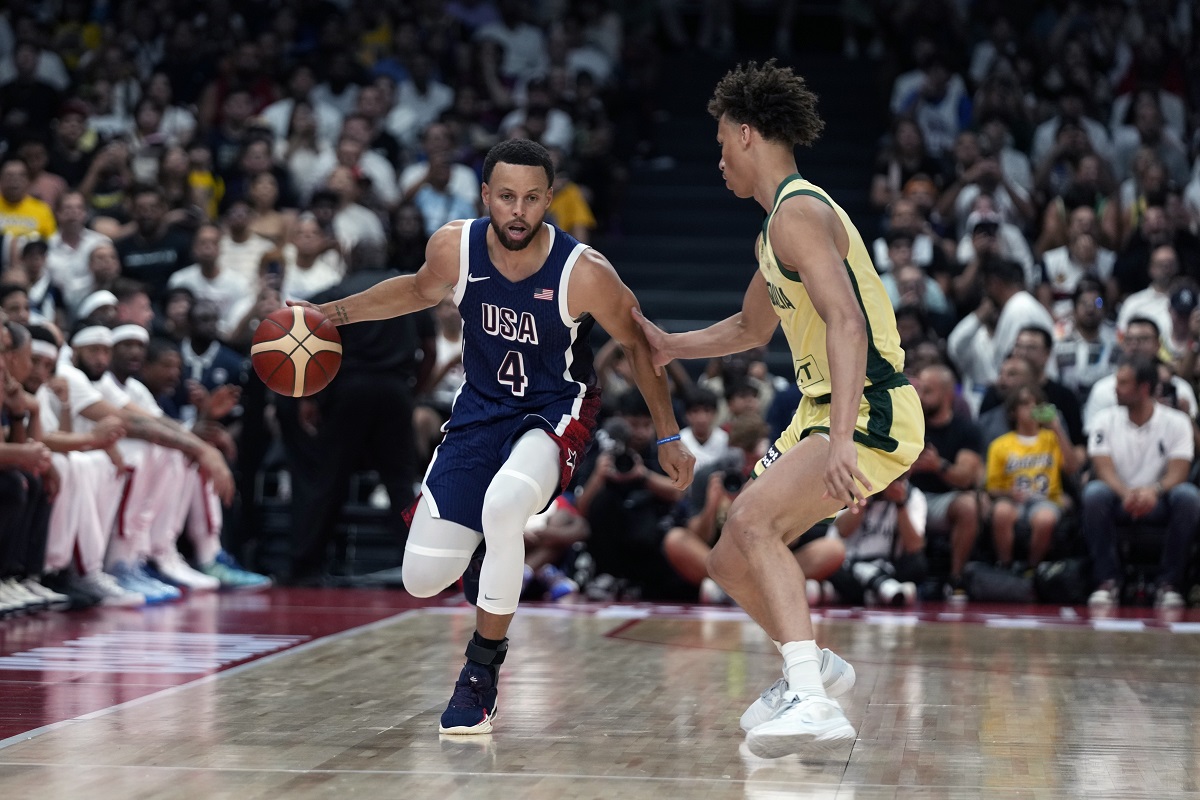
(520, 489)
(437, 553)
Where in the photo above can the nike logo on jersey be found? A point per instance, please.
(475, 278)
(488, 597)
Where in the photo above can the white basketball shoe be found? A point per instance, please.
(809, 725)
(837, 676)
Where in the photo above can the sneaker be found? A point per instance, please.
(10, 601)
(172, 569)
(108, 592)
(156, 591)
(1105, 596)
(136, 578)
(472, 707)
(837, 676)
(29, 601)
(558, 585)
(712, 594)
(1167, 598)
(67, 583)
(231, 575)
(896, 594)
(54, 600)
(810, 725)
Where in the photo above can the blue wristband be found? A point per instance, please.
(669, 439)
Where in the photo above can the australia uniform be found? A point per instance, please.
(527, 365)
(890, 430)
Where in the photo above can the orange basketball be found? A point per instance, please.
(296, 351)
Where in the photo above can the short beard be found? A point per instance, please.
(508, 243)
(86, 370)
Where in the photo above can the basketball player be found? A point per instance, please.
(528, 294)
(859, 422)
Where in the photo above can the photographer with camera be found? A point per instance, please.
(625, 494)
(885, 549)
(697, 521)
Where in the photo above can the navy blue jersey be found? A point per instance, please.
(522, 352)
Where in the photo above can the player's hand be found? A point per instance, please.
(114, 455)
(843, 477)
(216, 471)
(678, 462)
(657, 339)
(51, 482)
(108, 431)
(33, 457)
(222, 400)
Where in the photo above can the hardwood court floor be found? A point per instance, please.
(630, 702)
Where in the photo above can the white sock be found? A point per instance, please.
(802, 666)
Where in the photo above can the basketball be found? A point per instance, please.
(296, 351)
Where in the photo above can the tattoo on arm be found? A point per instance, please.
(155, 432)
(340, 312)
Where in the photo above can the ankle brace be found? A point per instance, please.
(487, 656)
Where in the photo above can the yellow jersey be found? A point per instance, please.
(1015, 462)
(803, 326)
(28, 216)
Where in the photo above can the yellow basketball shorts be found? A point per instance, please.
(890, 431)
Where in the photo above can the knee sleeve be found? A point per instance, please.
(436, 554)
(520, 489)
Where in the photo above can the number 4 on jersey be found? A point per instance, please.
(512, 373)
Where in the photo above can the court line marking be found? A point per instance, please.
(792, 783)
(170, 690)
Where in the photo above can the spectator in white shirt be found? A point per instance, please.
(463, 180)
(70, 246)
(1063, 267)
(311, 261)
(523, 46)
(1141, 453)
(206, 280)
(706, 441)
(353, 151)
(352, 223)
(1142, 338)
(242, 250)
(420, 100)
(300, 85)
(1153, 302)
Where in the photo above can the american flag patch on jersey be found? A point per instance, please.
(543, 294)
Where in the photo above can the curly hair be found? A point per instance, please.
(771, 99)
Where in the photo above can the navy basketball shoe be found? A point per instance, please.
(472, 707)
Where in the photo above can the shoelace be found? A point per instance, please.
(467, 694)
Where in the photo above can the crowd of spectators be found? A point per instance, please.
(185, 168)
(1038, 201)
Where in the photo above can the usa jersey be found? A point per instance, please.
(522, 352)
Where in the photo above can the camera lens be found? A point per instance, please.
(624, 462)
(733, 482)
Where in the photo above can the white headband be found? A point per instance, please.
(95, 300)
(127, 333)
(42, 348)
(93, 334)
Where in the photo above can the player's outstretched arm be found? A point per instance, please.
(597, 290)
(403, 294)
(750, 327)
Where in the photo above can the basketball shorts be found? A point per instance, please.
(464, 464)
(890, 431)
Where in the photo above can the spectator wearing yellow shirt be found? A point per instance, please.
(22, 214)
(569, 207)
(1024, 475)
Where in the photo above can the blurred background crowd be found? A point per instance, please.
(185, 168)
